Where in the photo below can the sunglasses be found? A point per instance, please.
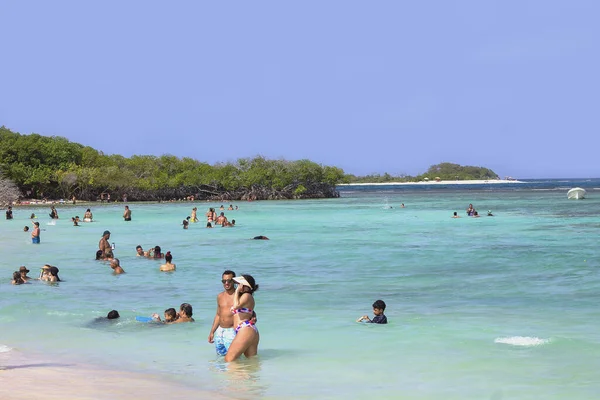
(226, 280)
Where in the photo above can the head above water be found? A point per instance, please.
(379, 304)
(186, 308)
(113, 314)
(170, 314)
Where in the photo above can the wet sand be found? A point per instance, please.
(24, 378)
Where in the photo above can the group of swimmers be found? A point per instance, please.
(211, 217)
(173, 317)
(471, 212)
(235, 312)
(48, 273)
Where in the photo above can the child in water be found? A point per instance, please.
(378, 309)
(170, 316)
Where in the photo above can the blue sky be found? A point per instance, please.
(371, 87)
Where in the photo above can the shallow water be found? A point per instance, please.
(491, 307)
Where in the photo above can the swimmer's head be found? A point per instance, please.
(114, 314)
(170, 315)
(379, 305)
(168, 257)
(25, 228)
(186, 308)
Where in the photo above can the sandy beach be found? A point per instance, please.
(23, 377)
(471, 182)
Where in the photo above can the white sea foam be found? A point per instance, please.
(4, 349)
(522, 341)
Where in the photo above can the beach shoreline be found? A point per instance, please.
(52, 379)
(434, 183)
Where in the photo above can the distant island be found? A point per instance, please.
(52, 167)
(447, 172)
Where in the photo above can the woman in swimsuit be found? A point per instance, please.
(246, 335)
(87, 217)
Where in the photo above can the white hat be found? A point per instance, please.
(242, 281)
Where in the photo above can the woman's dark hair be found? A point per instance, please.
(187, 308)
(168, 256)
(114, 314)
(99, 255)
(54, 272)
(252, 282)
(17, 278)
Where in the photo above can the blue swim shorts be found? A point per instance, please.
(223, 338)
(35, 239)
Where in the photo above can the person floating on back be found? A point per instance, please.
(379, 318)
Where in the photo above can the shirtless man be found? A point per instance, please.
(105, 246)
(222, 331)
(221, 219)
(127, 214)
(115, 264)
(194, 217)
(140, 251)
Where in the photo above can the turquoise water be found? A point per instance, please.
(502, 307)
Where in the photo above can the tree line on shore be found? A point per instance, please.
(56, 168)
(36, 166)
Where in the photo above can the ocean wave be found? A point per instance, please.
(522, 341)
(4, 349)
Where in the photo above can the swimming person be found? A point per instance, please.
(170, 316)
(246, 334)
(35, 235)
(87, 217)
(105, 246)
(115, 264)
(53, 213)
(17, 280)
(127, 214)
(222, 331)
(54, 274)
(194, 217)
(378, 309)
(9, 213)
(470, 210)
(24, 271)
(185, 314)
(261, 237)
(140, 251)
(168, 266)
(155, 253)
